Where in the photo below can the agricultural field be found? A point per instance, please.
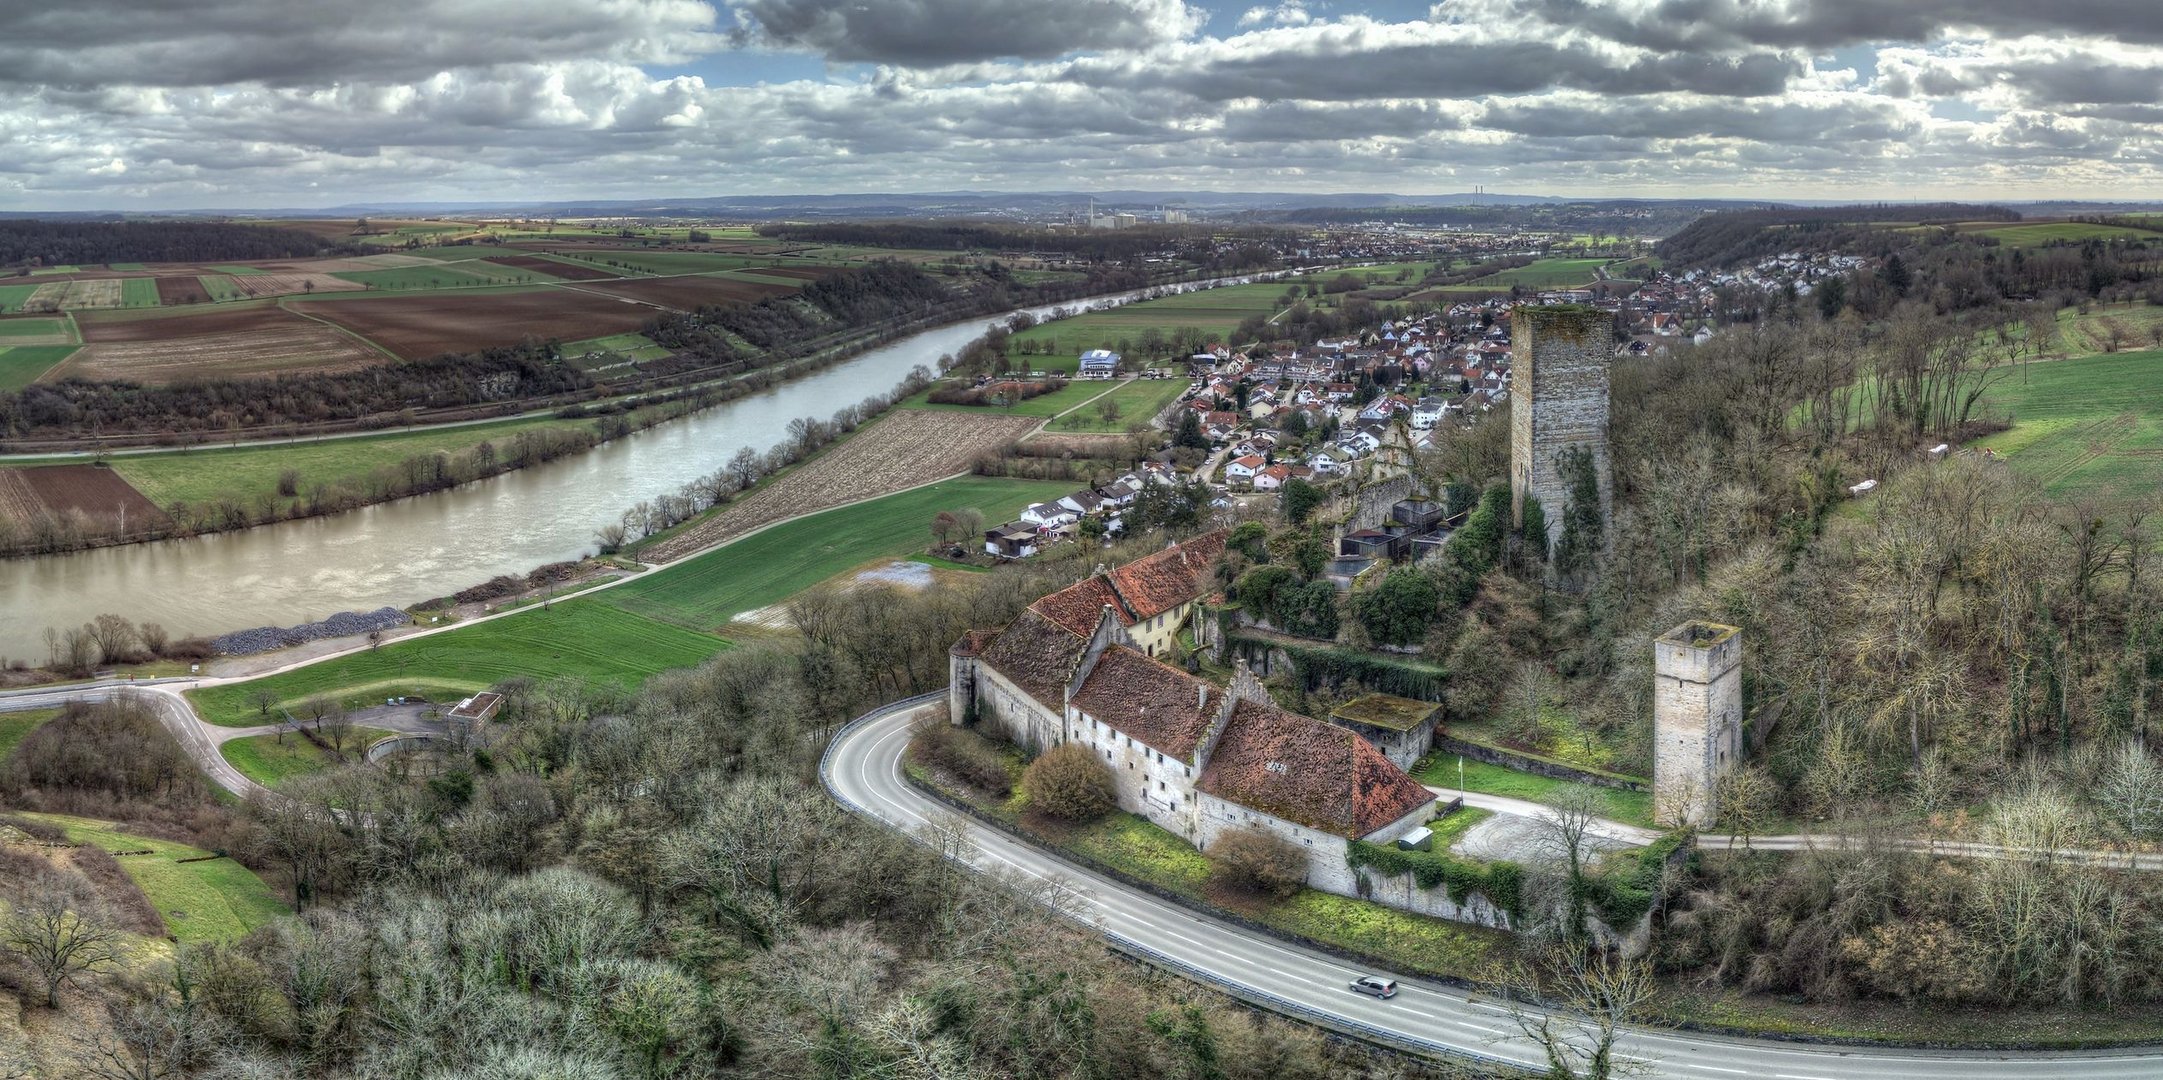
(13, 297)
(2091, 426)
(36, 332)
(904, 448)
(751, 573)
(160, 347)
(1547, 274)
(21, 365)
(264, 283)
(1215, 312)
(2132, 326)
(57, 489)
(417, 278)
(421, 326)
(557, 268)
(87, 293)
(1072, 395)
(182, 290)
(693, 290)
(658, 263)
(2037, 234)
(1138, 400)
(214, 899)
(246, 472)
(581, 638)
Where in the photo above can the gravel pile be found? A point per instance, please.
(266, 638)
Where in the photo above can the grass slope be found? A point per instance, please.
(214, 900)
(2092, 426)
(1634, 807)
(768, 567)
(17, 726)
(271, 759)
(1138, 401)
(585, 639)
(248, 471)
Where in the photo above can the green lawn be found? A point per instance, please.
(1547, 274)
(20, 365)
(1215, 312)
(2045, 233)
(22, 328)
(1138, 401)
(12, 297)
(707, 591)
(17, 726)
(579, 639)
(2092, 426)
(1058, 401)
(272, 759)
(635, 346)
(1634, 807)
(125, 266)
(214, 900)
(198, 476)
(221, 287)
(243, 271)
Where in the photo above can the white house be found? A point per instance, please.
(1241, 470)
(1049, 515)
(1099, 364)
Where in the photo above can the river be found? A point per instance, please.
(403, 552)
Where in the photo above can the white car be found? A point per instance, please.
(1376, 985)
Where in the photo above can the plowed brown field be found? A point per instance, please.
(420, 326)
(906, 448)
(99, 493)
(182, 290)
(216, 343)
(551, 267)
(690, 291)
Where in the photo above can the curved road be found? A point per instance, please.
(862, 769)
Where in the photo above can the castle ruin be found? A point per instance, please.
(1696, 720)
(1558, 400)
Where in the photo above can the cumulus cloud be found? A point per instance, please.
(250, 102)
(929, 33)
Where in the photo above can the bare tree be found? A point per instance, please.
(1584, 1001)
(1745, 798)
(115, 637)
(2130, 790)
(60, 932)
(1564, 838)
(744, 467)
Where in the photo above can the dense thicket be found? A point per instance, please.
(1724, 239)
(506, 373)
(1214, 248)
(25, 243)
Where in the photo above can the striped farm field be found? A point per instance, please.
(35, 332)
(584, 639)
(12, 297)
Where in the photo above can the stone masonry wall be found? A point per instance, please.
(1558, 399)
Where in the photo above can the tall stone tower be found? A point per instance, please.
(1696, 719)
(1558, 399)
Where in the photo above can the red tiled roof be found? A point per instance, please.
(1078, 606)
(971, 643)
(1038, 655)
(1152, 702)
(1156, 584)
(1308, 772)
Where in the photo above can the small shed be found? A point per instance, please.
(1402, 728)
(1419, 839)
(1419, 515)
(476, 710)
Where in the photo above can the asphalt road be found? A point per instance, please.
(863, 770)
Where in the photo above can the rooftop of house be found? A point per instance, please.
(1152, 702)
(1386, 711)
(1305, 771)
(1038, 655)
(1160, 582)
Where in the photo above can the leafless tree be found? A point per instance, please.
(115, 636)
(1563, 838)
(744, 467)
(1584, 1001)
(1745, 799)
(60, 932)
(2130, 790)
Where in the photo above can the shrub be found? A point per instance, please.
(1068, 782)
(965, 756)
(1257, 861)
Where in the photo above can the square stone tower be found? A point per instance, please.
(1559, 358)
(1696, 719)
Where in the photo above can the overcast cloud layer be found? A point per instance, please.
(179, 103)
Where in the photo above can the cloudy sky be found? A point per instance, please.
(238, 103)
